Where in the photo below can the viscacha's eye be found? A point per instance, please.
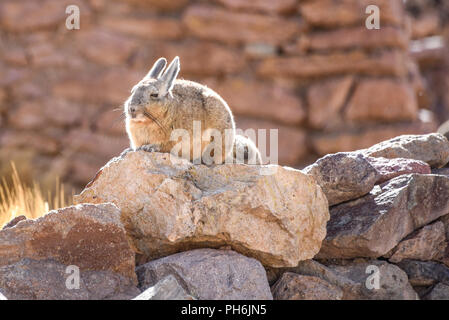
(154, 95)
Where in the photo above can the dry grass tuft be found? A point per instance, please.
(16, 198)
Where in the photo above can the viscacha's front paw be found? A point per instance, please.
(150, 148)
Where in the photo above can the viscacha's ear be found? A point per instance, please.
(157, 69)
(169, 76)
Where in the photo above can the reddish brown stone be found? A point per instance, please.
(331, 13)
(384, 63)
(202, 58)
(326, 99)
(2, 100)
(212, 23)
(19, 16)
(351, 38)
(12, 76)
(29, 139)
(30, 89)
(112, 86)
(160, 5)
(27, 116)
(292, 146)
(112, 122)
(422, 245)
(38, 114)
(15, 56)
(382, 100)
(424, 273)
(428, 57)
(428, 24)
(46, 55)
(81, 140)
(391, 168)
(261, 100)
(279, 6)
(105, 47)
(343, 176)
(148, 28)
(84, 166)
(88, 236)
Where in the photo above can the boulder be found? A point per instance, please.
(292, 286)
(91, 237)
(432, 148)
(210, 274)
(50, 280)
(393, 282)
(351, 276)
(343, 176)
(166, 289)
(425, 244)
(314, 268)
(391, 168)
(425, 273)
(275, 214)
(439, 292)
(373, 225)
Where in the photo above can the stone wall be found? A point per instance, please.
(430, 35)
(308, 68)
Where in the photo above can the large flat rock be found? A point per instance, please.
(275, 214)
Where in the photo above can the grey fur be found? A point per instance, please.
(157, 69)
(169, 76)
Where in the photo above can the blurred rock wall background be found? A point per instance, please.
(308, 68)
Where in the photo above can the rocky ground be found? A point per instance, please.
(369, 224)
